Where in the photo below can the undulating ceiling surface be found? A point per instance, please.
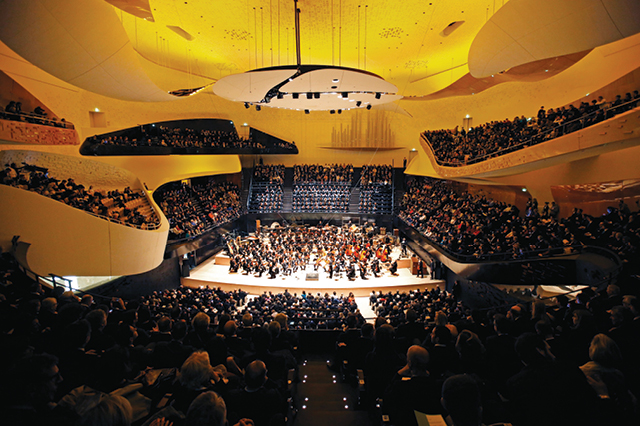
(530, 30)
(142, 49)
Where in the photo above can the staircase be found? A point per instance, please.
(323, 399)
(354, 199)
(287, 199)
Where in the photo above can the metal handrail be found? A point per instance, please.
(250, 188)
(207, 230)
(41, 120)
(536, 139)
(527, 254)
(150, 226)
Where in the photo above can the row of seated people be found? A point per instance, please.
(459, 147)
(13, 111)
(267, 188)
(376, 174)
(266, 198)
(321, 198)
(305, 311)
(163, 136)
(376, 190)
(62, 355)
(478, 227)
(126, 206)
(317, 173)
(376, 199)
(194, 210)
(176, 138)
(553, 362)
(270, 173)
(352, 250)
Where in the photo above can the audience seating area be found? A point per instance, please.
(460, 147)
(13, 111)
(376, 189)
(125, 206)
(556, 362)
(194, 210)
(319, 189)
(476, 228)
(163, 139)
(266, 189)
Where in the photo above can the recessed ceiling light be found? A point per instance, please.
(335, 80)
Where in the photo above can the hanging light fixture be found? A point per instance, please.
(323, 87)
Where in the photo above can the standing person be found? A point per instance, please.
(394, 268)
(420, 269)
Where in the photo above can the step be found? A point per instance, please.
(322, 399)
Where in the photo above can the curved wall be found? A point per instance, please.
(67, 241)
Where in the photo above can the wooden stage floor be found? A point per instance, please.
(212, 274)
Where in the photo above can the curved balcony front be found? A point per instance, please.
(617, 133)
(64, 240)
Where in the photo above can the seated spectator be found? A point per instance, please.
(462, 400)
(382, 363)
(263, 406)
(111, 410)
(412, 389)
(541, 392)
(209, 409)
(617, 403)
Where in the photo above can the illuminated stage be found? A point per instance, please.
(215, 273)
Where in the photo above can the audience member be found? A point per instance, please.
(459, 147)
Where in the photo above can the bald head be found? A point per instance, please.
(417, 358)
(255, 374)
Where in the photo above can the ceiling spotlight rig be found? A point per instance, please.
(307, 87)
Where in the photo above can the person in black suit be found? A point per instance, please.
(393, 269)
(256, 402)
(412, 388)
(420, 268)
(547, 391)
(173, 353)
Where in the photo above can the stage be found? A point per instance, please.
(215, 273)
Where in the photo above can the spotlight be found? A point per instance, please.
(295, 95)
(316, 95)
(358, 103)
(306, 111)
(369, 106)
(378, 95)
(258, 108)
(246, 105)
(309, 95)
(339, 111)
(333, 111)
(280, 95)
(345, 95)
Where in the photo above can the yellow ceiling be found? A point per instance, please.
(402, 41)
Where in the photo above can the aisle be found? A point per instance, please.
(365, 308)
(323, 400)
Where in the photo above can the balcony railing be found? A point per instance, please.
(35, 119)
(548, 253)
(544, 136)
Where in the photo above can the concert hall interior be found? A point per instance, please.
(398, 209)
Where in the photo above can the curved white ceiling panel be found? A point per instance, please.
(524, 31)
(81, 42)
